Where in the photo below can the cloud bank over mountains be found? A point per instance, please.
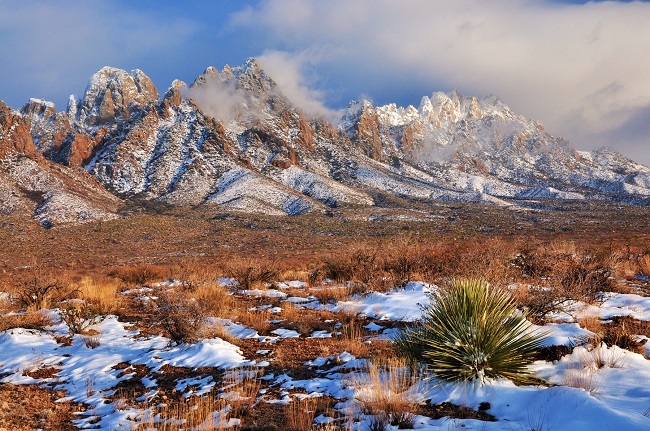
(577, 68)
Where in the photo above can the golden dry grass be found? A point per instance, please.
(383, 391)
(101, 293)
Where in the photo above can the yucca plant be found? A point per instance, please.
(472, 331)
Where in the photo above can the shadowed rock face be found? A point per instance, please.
(14, 135)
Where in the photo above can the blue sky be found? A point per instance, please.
(581, 68)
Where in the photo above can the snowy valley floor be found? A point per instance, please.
(124, 377)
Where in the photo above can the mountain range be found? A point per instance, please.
(231, 140)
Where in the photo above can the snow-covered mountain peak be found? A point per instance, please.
(392, 115)
(113, 94)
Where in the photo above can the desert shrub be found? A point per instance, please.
(37, 289)
(644, 264)
(472, 332)
(359, 265)
(573, 279)
(403, 259)
(540, 301)
(79, 319)
(249, 272)
(532, 262)
(180, 317)
(584, 279)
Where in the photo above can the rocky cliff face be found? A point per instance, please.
(482, 146)
(31, 184)
(233, 141)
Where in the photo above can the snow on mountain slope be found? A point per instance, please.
(177, 148)
(321, 188)
(243, 190)
(47, 191)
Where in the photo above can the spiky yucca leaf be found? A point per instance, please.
(471, 331)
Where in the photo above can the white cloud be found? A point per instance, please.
(219, 100)
(580, 69)
(288, 73)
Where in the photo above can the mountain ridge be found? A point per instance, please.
(232, 140)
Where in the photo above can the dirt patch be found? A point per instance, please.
(30, 407)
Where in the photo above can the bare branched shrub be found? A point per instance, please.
(403, 259)
(584, 279)
(180, 317)
(358, 265)
(644, 264)
(39, 289)
(574, 278)
(533, 262)
(250, 273)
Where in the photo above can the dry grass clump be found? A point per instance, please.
(28, 320)
(620, 331)
(299, 414)
(331, 294)
(208, 413)
(241, 387)
(215, 299)
(139, 275)
(193, 273)
(101, 293)
(581, 378)
(383, 391)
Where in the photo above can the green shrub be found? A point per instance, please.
(79, 319)
(471, 331)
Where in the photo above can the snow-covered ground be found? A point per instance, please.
(615, 396)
